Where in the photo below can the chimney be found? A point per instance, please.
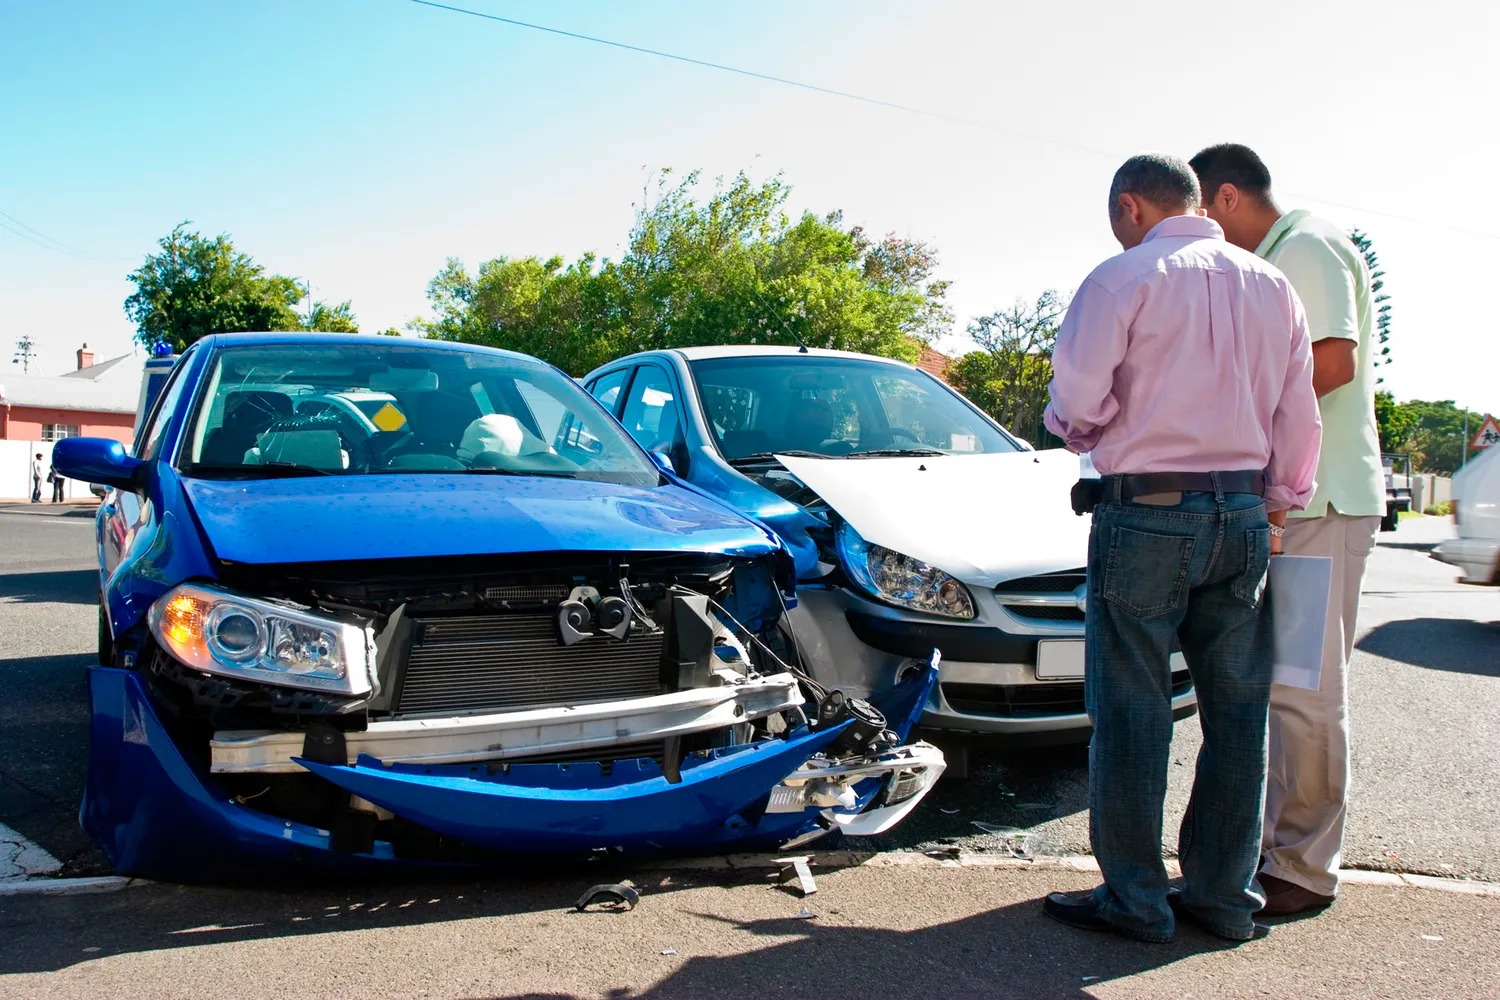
(85, 357)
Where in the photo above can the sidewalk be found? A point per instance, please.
(871, 931)
(77, 507)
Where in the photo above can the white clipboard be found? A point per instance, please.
(1300, 588)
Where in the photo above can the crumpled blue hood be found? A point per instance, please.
(335, 518)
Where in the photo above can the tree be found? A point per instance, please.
(331, 319)
(1381, 300)
(1009, 375)
(1437, 443)
(195, 286)
(1397, 422)
(732, 268)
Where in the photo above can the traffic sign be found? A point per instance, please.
(1489, 433)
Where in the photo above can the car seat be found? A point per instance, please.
(247, 415)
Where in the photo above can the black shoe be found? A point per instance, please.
(1082, 910)
(1184, 912)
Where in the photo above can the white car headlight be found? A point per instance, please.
(900, 579)
(219, 632)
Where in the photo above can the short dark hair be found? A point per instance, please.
(1232, 163)
(1164, 181)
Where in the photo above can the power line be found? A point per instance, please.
(754, 74)
(894, 106)
(47, 242)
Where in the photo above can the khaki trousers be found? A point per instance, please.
(1307, 784)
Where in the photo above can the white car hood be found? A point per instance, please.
(983, 518)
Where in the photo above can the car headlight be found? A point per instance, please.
(900, 579)
(219, 632)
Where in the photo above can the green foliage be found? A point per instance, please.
(1444, 509)
(1381, 300)
(731, 269)
(195, 286)
(389, 331)
(1009, 375)
(331, 319)
(1431, 432)
(1396, 423)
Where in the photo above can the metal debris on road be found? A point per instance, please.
(669, 951)
(1432, 937)
(612, 898)
(805, 914)
(803, 871)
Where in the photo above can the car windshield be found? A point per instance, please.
(837, 408)
(353, 409)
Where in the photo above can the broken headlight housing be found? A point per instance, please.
(901, 580)
(219, 632)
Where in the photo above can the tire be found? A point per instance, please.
(106, 641)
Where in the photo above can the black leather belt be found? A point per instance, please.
(1089, 493)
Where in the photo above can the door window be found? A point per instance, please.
(161, 415)
(653, 415)
(606, 389)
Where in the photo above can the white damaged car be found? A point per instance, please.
(917, 522)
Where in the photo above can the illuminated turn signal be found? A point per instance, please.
(182, 620)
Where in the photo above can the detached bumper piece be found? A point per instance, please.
(158, 812)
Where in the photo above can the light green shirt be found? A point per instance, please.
(1329, 275)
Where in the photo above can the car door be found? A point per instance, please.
(653, 415)
(123, 512)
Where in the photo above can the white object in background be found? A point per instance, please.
(1300, 587)
(1086, 468)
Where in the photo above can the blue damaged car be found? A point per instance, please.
(369, 603)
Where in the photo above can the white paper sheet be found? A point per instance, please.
(1299, 587)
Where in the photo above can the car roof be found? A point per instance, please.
(758, 351)
(272, 338)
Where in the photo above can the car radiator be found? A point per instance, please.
(487, 663)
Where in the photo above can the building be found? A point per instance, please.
(93, 400)
(934, 362)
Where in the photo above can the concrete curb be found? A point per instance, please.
(1076, 863)
(68, 886)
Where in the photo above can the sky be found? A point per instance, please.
(357, 144)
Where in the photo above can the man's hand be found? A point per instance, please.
(1334, 359)
(1278, 524)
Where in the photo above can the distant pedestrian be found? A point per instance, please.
(37, 465)
(1183, 367)
(56, 479)
(1308, 785)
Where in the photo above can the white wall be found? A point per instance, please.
(15, 479)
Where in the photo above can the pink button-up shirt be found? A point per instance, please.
(1188, 354)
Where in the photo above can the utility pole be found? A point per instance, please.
(1466, 439)
(25, 351)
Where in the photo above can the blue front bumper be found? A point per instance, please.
(157, 813)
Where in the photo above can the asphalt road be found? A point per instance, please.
(1425, 706)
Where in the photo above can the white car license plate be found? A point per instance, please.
(1059, 659)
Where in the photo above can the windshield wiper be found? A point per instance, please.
(265, 470)
(770, 456)
(895, 452)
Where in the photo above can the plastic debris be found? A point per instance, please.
(947, 811)
(1089, 979)
(1432, 937)
(999, 831)
(803, 869)
(611, 898)
(805, 914)
(669, 951)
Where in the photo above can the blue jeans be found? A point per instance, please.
(1194, 572)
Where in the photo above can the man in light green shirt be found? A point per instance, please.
(1308, 781)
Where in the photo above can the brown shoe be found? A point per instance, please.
(1285, 898)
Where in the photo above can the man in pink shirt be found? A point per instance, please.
(1184, 367)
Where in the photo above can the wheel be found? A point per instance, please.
(106, 640)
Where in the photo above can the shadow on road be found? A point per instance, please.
(1452, 644)
(1012, 950)
(1409, 546)
(68, 586)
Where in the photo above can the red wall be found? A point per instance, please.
(25, 423)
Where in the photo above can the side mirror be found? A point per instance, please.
(663, 462)
(96, 460)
